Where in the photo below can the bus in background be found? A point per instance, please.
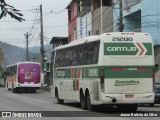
(23, 76)
(113, 68)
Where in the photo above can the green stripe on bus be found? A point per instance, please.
(128, 73)
(94, 72)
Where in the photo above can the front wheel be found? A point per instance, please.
(59, 101)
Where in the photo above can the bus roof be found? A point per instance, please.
(80, 41)
(22, 63)
(95, 38)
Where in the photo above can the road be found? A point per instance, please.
(42, 101)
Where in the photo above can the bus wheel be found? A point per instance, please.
(59, 101)
(13, 89)
(33, 90)
(82, 101)
(88, 102)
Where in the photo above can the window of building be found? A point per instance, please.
(106, 2)
(75, 9)
(69, 15)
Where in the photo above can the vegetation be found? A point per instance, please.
(10, 10)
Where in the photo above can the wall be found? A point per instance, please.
(74, 11)
(107, 20)
(147, 19)
(84, 26)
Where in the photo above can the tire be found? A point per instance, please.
(33, 90)
(13, 89)
(59, 101)
(88, 102)
(82, 101)
(127, 107)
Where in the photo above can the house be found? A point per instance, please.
(73, 13)
(139, 16)
(89, 17)
(102, 16)
(57, 41)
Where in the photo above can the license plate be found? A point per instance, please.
(129, 96)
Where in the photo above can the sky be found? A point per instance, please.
(55, 22)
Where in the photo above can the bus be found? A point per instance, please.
(110, 69)
(23, 76)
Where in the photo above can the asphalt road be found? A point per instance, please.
(42, 103)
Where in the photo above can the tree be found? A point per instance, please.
(10, 10)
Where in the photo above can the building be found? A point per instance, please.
(139, 16)
(57, 41)
(89, 17)
(157, 54)
(102, 16)
(73, 13)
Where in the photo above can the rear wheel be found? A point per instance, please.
(82, 101)
(88, 102)
(59, 101)
(33, 90)
(13, 89)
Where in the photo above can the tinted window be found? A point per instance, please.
(84, 54)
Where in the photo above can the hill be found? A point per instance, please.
(13, 54)
(48, 50)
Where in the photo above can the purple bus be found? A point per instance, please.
(24, 76)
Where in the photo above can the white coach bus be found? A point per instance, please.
(112, 68)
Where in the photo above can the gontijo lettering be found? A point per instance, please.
(60, 73)
(121, 49)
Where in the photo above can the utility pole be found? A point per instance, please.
(27, 52)
(42, 40)
(120, 16)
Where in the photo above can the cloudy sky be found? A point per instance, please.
(55, 22)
